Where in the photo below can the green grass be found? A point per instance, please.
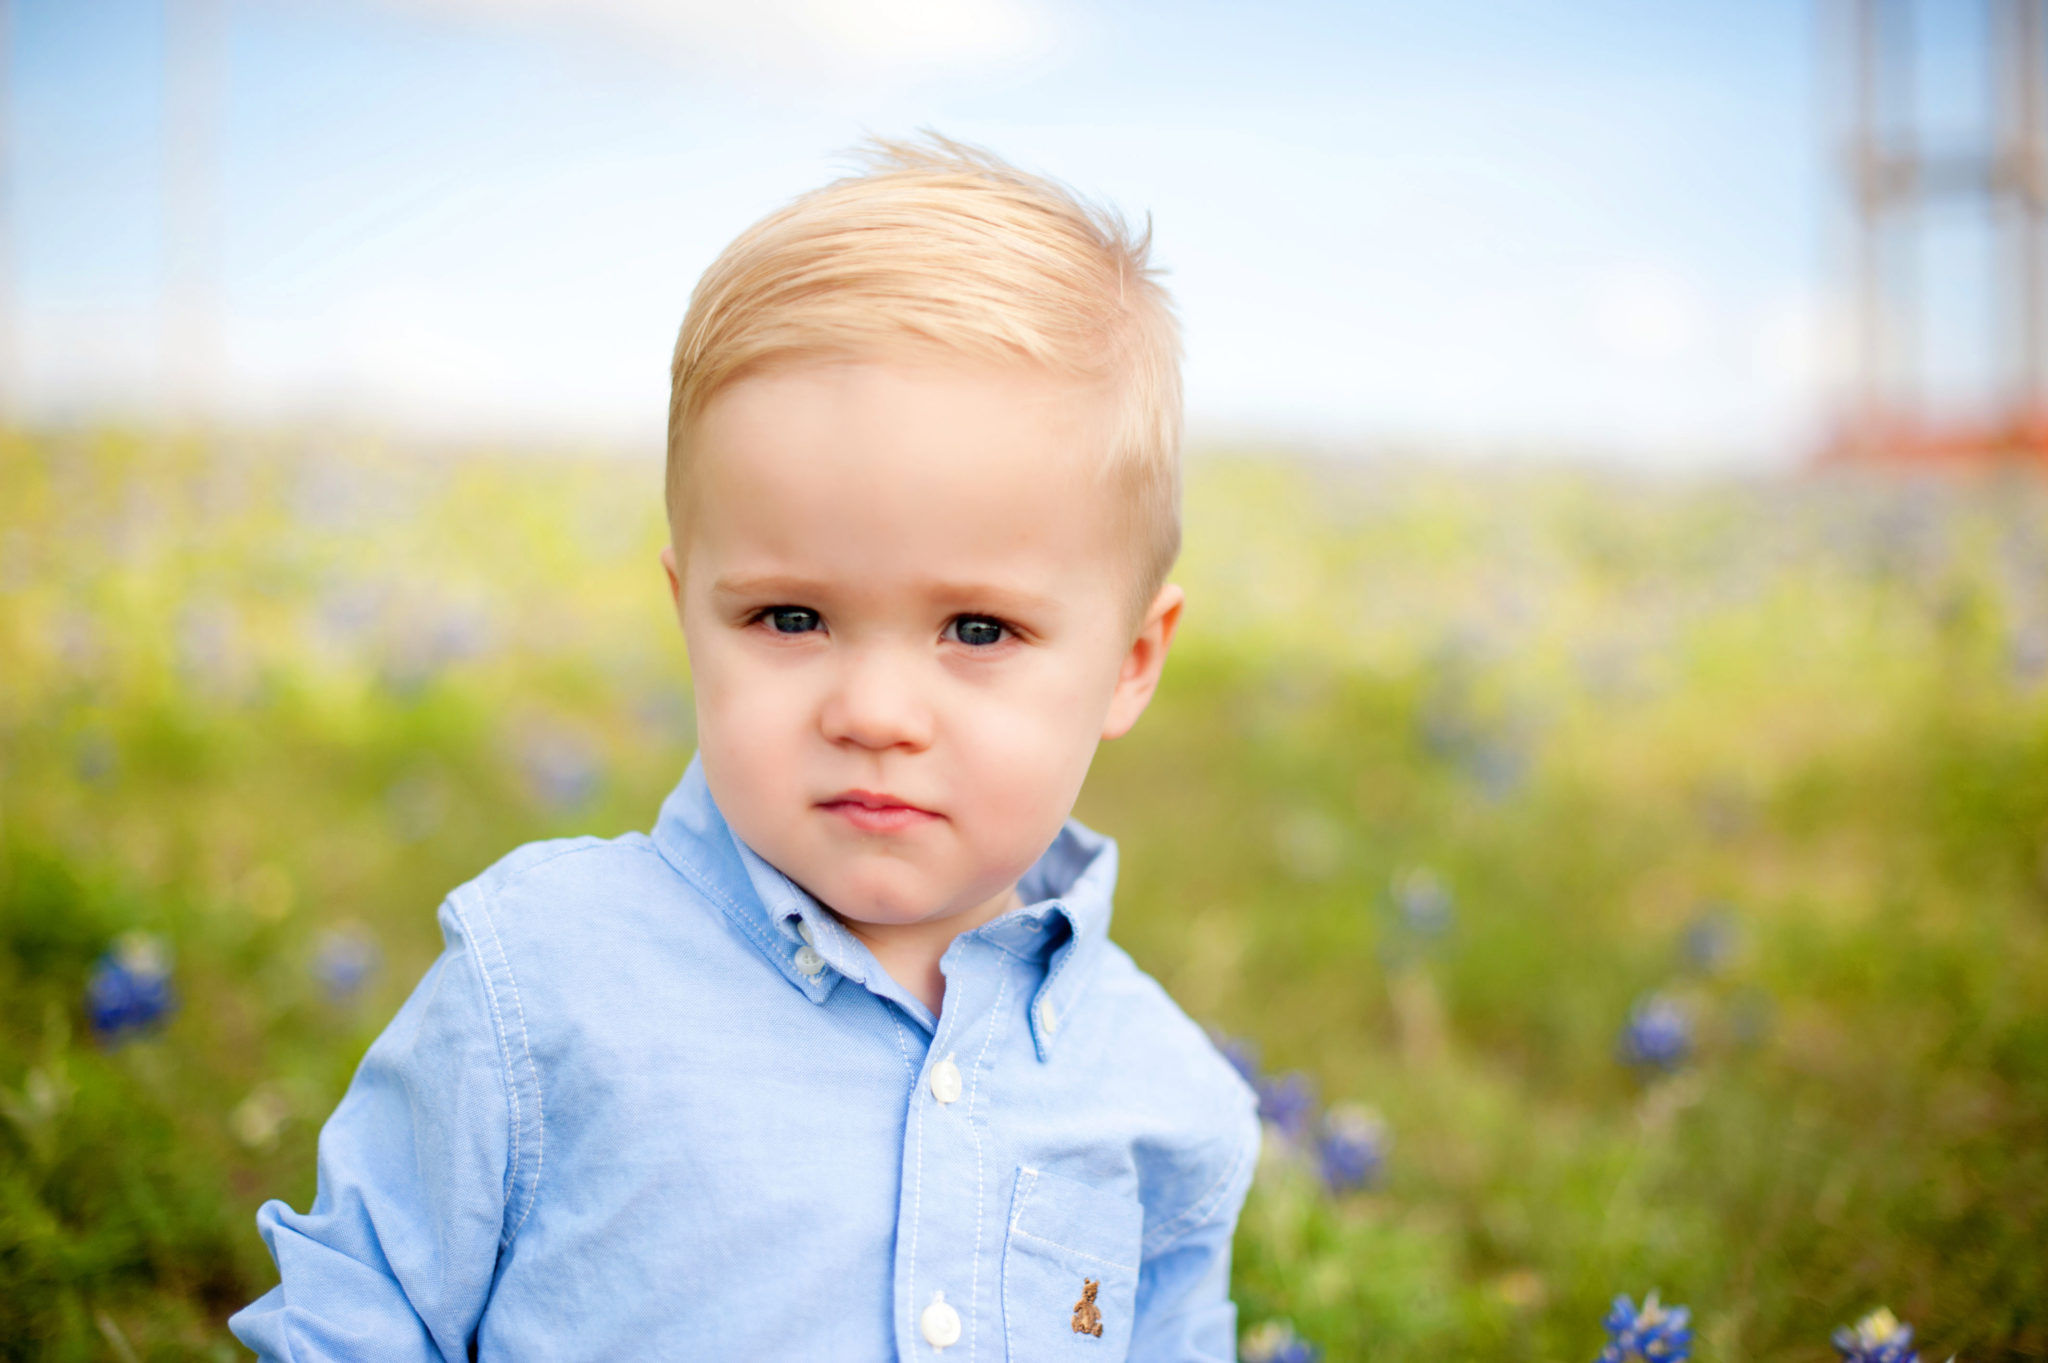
(255, 695)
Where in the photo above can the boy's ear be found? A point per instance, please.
(1139, 676)
(675, 579)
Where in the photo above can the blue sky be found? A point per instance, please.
(1473, 225)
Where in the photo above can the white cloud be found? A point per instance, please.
(853, 41)
(1646, 312)
(1802, 346)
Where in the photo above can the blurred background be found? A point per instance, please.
(1600, 796)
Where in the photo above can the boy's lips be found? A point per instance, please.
(874, 812)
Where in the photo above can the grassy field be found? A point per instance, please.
(1450, 773)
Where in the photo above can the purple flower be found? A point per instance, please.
(346, 613)
(344, 960)
(432, 639)
(667, 717)
(1288, 1102)
(1657, 1035)
(1879, 1337)
(129, 989)
(1242, 1054)
(1352, 1147)
(1654, 1334)
(1710, 939)
(561, 769)
(1500, 764)
(1424, 901)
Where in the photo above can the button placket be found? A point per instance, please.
(945, 1080)
(945, 1231)
(940, 1323)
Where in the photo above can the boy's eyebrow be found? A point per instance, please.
(767, 584)
(1003, 600)
(964, 594)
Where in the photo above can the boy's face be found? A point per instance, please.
(905, 596)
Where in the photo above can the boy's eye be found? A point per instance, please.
(792, 619)
(977, 631)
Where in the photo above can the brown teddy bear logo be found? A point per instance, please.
(1088, 1320)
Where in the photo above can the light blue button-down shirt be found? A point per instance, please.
(653, 1101)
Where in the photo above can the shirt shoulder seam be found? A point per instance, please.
(510, 988)
(1178, 1228)
(511, 876)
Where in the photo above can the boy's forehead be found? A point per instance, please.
(930, 477)
(897, 437)
(908, 389)
(982, 490)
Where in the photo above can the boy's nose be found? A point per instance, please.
(875, 703)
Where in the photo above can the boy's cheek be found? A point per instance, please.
(1028, 761)
(749, 724)
(764, 722)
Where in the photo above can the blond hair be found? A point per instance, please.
(938, 247)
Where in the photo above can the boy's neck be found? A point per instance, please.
(910, 952)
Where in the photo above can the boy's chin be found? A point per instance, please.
(891, 913)
(900, 905)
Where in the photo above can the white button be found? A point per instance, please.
(940, 1322)
(946, 1081)
(809, 961)
(803, 930)
(1047, 1023)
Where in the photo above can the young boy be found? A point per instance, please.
(839, 1062)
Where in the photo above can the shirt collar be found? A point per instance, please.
(1063, 922)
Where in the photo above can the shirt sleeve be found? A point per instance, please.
(1184, 1311)
(417, 1167)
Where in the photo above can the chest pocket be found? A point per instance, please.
(1070, 1270)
